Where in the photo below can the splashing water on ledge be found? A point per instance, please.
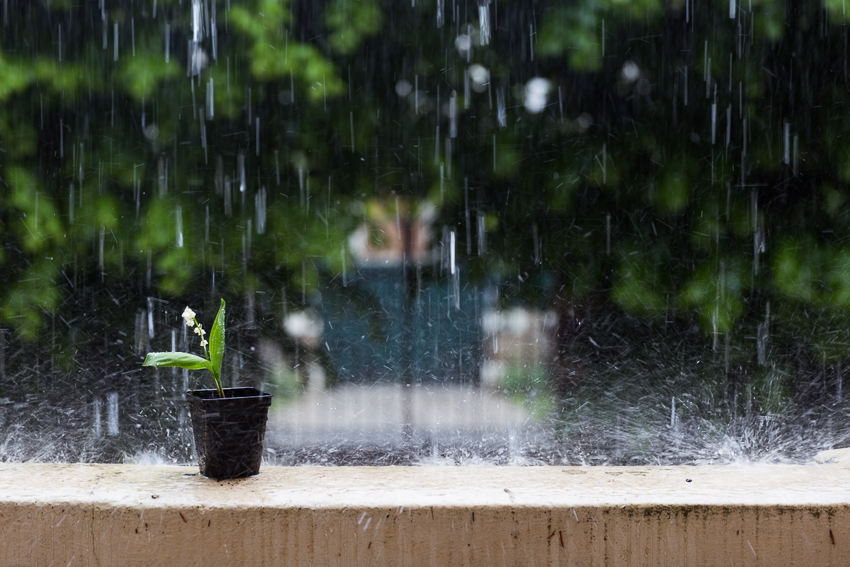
(363, 425)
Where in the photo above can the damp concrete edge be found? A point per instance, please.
(126, 515)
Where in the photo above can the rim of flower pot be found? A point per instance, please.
(211, 394)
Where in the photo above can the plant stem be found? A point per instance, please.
(206, 355)
(216, 379)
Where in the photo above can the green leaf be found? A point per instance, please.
(217, 344)
(352, 22)
(179, 359)
(141, 76)
(16, 77)
(673, 191)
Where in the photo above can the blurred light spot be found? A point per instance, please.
(403, 88)
(536, 91)
(151, 132)
(480, 76)
(630, 71)
(306, 326)
(584, 121)
(463, 43)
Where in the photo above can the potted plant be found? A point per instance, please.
(228, 423)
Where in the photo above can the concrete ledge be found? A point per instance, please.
(130, 515)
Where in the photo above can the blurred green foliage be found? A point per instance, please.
(685, 162)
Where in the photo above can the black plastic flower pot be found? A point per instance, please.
(229, 431)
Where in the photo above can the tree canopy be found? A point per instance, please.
(672, 159)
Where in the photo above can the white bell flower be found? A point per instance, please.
(189, 316)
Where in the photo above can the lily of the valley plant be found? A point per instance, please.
(212, 358)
